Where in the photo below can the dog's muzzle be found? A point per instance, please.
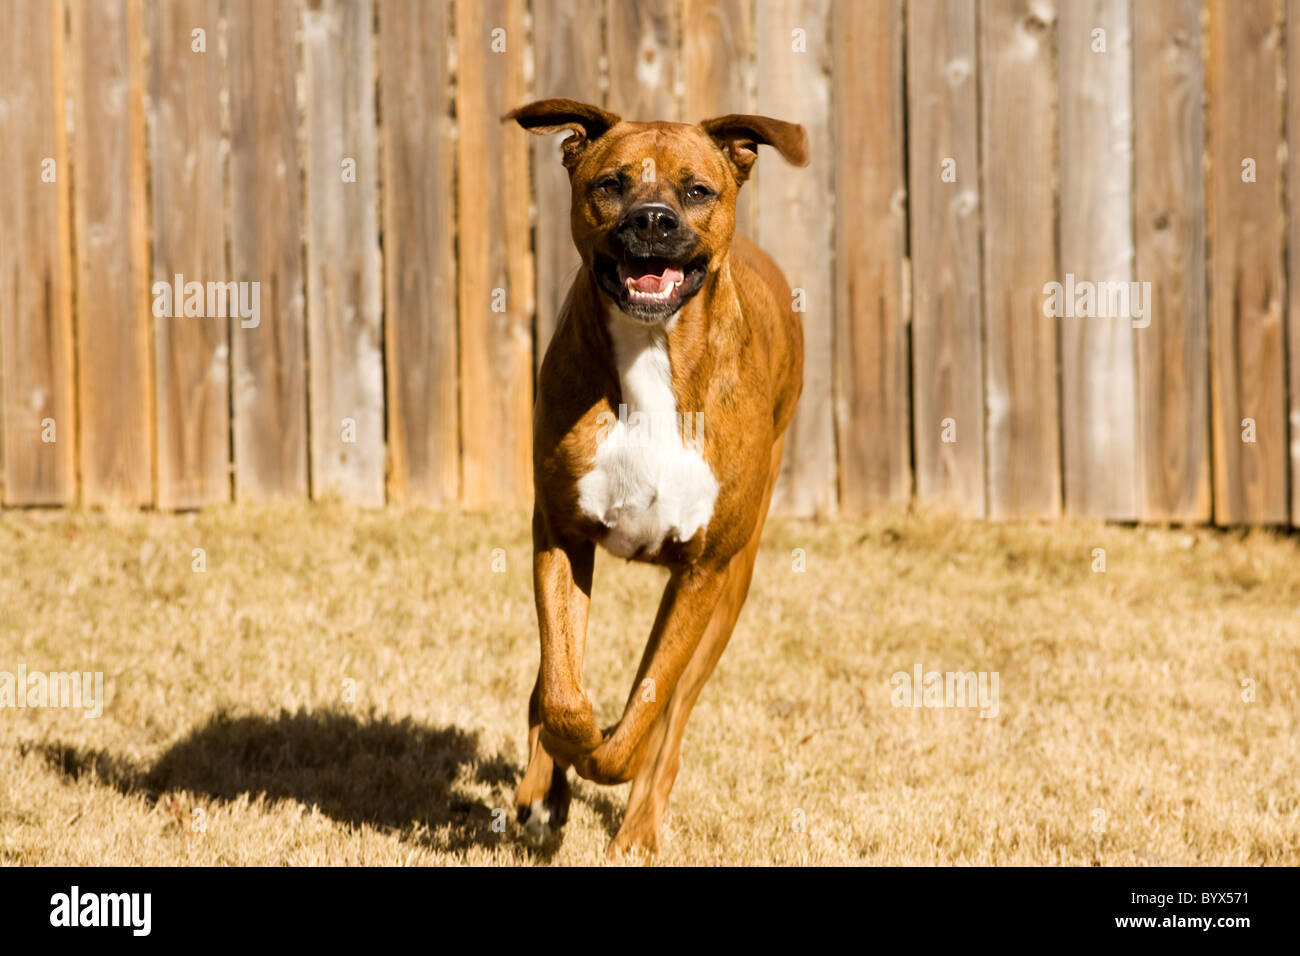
(651, 264)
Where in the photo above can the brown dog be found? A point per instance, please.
(662, 405)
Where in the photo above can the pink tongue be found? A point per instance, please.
(657, 284)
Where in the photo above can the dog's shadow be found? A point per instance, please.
(396, 775)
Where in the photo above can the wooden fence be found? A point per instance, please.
(410, 250)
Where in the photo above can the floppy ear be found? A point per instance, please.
(740, 136)
(587, 123)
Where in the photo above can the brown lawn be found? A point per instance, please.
(340, 687)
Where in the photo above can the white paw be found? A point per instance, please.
(538, 826)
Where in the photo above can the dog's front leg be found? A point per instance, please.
(684, 613)
(562, 589)
(542, 799)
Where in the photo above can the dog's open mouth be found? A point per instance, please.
(651, 288)
(650, 281)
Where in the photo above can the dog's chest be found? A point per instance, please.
(649, 482)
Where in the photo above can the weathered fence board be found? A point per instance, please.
(1247, 279)
(794, 226)
(1293, 243)
(642, 40)
(1018, 109)
(567, 54)
(1098, 391)
(944, 185)
(114, 369)
(872, 407)
(496, 277)
(419, 157)
(191, 338)
(268, 355)
(344, 277)
(718, 74)
(37, 402)
(1169, 225)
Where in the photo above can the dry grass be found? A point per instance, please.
(1119, 692)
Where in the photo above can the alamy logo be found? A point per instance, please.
(75, 908)
(644, 429)
(213, 300)
(1098, 300)
(79, 689)
(946, 689)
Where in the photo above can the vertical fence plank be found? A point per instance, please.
(642, 44)
(37, 413)
(1098, 391)
(872, 382)
(1018, 108)
(420, 257)
(567, 48)
(114, 370)
(795, 228)
(1247, 281)
(268, 359)
(947, 353)
(496, 281)
(718, 74)
(344, 277)
(1293, 243)
(191, 344)
(1169, 200)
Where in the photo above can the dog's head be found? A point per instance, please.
(654, 204)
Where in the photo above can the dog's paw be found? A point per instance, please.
(633, 847)
(536, 821)
(543, 817)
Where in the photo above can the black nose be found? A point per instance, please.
(651, 221)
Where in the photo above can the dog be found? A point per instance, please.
(662, 405)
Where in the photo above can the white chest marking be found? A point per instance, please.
(649, 482)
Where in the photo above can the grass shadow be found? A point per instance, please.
(609, 812)
(393, 774)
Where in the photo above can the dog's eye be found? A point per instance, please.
(699, 192)
(610, 186)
